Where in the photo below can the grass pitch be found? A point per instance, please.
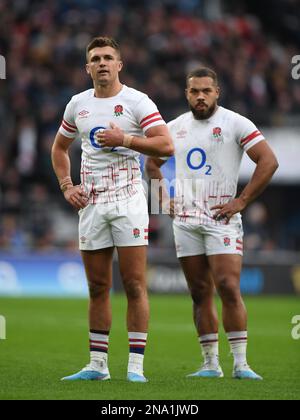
(47, 339)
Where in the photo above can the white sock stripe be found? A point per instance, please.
(99, 337)
(97, 344)
(137, 336)
(237, 334)
(208, 337)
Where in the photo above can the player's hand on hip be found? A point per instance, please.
(112, 137)
(226, 211)
(169, 208)
(76, 196)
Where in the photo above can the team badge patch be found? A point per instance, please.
(217, 134)
(118, 110)
(227, 241)
(136, 233)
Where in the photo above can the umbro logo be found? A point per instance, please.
(181, 134)
(83, 113)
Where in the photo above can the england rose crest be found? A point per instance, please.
(227, 241)
(136, 233)
(217, 134)
(118, 110)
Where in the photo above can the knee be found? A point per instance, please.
(229, 290)
(134, 285)
(98, 288)
(201, 293)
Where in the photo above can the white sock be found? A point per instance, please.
(238, 344)
(137, 344)
(210, 348)
(98, 351)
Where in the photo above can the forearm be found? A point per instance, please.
(266, 165)
(259, 181)
(158, 146)
(61, 163)
(157, 142)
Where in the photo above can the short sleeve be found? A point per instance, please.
(148, 115)
(247, 134)
(68, 126)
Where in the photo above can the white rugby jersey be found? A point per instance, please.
(208, 156)
(109, 174)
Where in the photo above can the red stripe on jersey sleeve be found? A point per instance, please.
(70, 125)
(151, 121)
(150, 116)
(67, 128)
(252, 136)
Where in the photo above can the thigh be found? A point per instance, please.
(132, 263)
(197, 272)
(226, 268)
(98, 266)
(188, 240)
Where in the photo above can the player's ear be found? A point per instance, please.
(120, 65)
(87, 68)
(218, 90)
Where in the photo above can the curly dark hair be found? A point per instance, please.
(203, 72)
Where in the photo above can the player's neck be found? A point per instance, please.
(109, 90)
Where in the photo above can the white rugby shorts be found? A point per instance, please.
(121, 224)
(192, 239)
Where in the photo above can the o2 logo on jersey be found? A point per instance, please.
(196, 160)
(93, 140)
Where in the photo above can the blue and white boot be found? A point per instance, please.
(92, 372)
(208, 370)
(245, 372)
(136, 377)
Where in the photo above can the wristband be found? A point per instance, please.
(127, 140)
(65, 183)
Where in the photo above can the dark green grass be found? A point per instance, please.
(47, 339)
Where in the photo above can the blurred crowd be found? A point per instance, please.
(44, 47)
